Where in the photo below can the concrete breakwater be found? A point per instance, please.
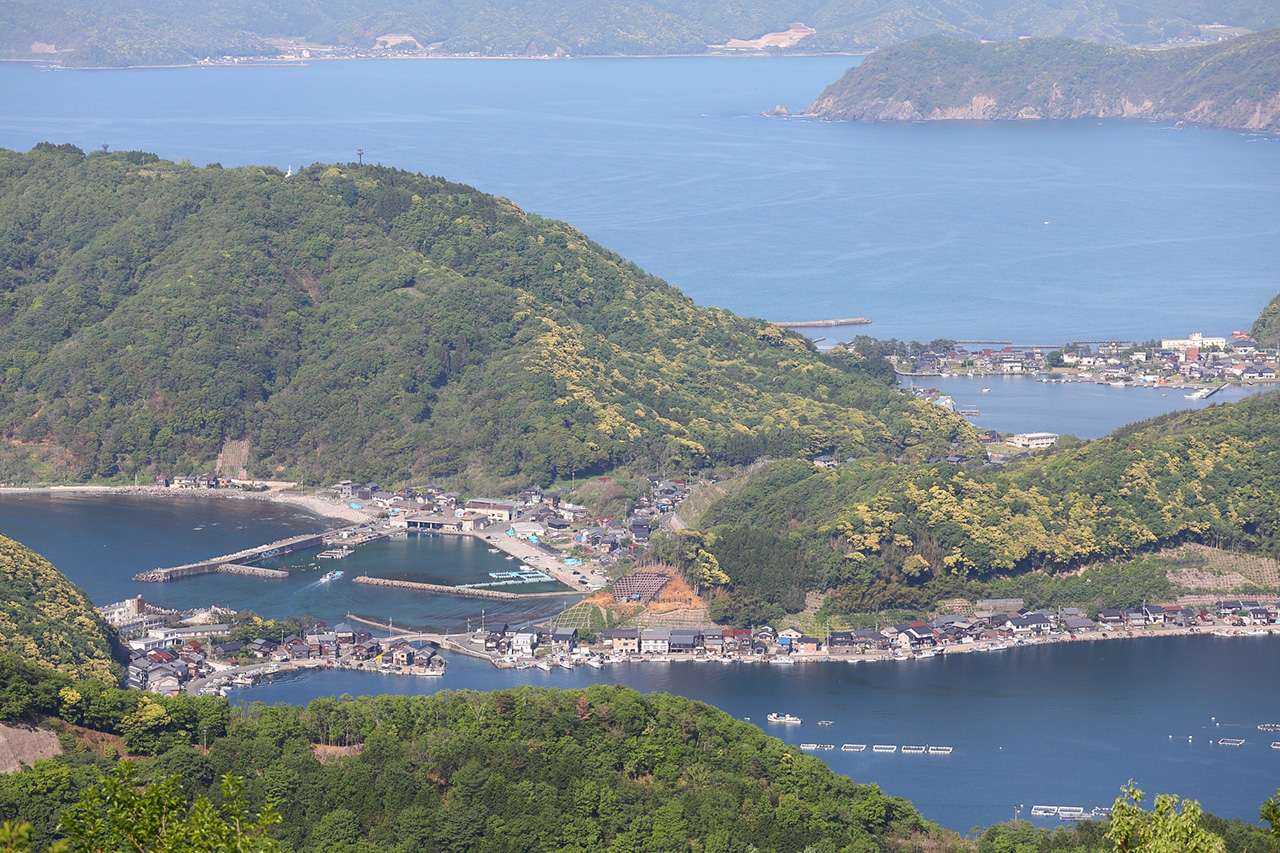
(823, 324)
(237, 563)
(471, 592)
(435, 587)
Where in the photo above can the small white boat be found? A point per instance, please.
(594, 663)
(543, 665)
(986, 390)
(565, 663)
(331, 576)
(826, 722)
(783, 718)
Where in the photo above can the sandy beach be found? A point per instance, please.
(317, 504)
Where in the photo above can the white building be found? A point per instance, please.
(1033, 440)
(1195, 339)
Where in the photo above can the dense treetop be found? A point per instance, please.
(46, 618)
(593, 770)
(375, 323)
(1228, 84)
(131, 32)
(879, 536)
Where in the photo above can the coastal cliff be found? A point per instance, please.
(1234, 84)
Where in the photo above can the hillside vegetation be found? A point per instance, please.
(375, 323)
(131, 32)
(593, 770)
(1228, 84)
(1266, 329)
(895, 536)
(47, 619)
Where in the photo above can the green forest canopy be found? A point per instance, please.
(593, 770)
(130, 32)
(379, 324)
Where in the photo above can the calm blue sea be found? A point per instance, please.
(1034, 232)
(1053, 725)
(1084, 409)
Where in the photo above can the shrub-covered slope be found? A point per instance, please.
(1266, 329)
(46, 619)
(1227, 84)
(377, 323)
(884, 536)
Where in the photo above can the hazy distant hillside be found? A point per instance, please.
(1227, 84)
(376, 323)
(46, 619)
(131, 32)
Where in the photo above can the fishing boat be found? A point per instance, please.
(783, 718)
(543, 665)
(331, 576)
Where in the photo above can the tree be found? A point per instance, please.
(120, 814)
(1163, 830)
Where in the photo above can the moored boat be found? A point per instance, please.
(783, 718)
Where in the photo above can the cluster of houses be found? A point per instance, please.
(1194, 358)
(993, 625)
(526, 642)
(535, 516)
(167, 658)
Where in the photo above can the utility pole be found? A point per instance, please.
(360, 154)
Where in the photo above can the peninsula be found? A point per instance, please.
(1230, 84)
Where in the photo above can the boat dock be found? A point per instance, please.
(239, 563)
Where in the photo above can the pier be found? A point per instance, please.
(470, 591)
(823, 324)
(239, 563)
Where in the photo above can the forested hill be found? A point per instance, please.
(1266, 329)
(132, 32)
(881, 536)
(46, 619)
(1228, 84)
(375, 323)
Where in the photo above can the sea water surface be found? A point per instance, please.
(1057, 725)
(1035, 232)
(101, 543)
(1083, 409)
(1065, 724)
